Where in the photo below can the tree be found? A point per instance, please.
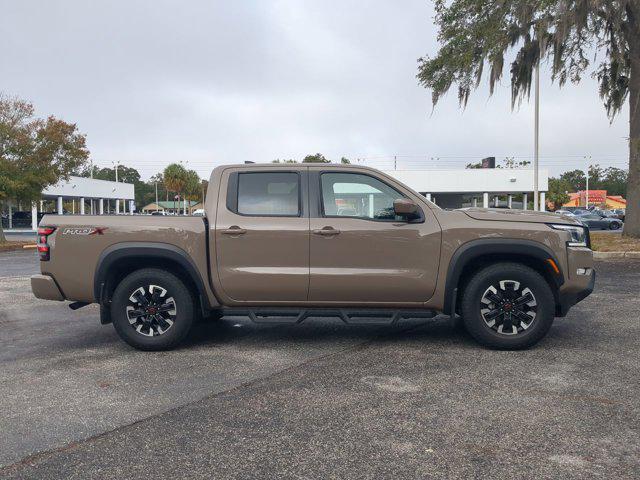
(193, 186)
(576, 179)
(35, 153)
(557, 193)
(614, 181)
(317, 158)
(478, 33)
(176, 178)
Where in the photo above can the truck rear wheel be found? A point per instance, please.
(152, 309)
(508, 306)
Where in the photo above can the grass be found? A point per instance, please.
(8, 246)
(613, 242)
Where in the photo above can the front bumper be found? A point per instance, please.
(45, 287)
(568, 298)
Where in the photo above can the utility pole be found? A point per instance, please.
(156, 196)
(116, 165)
(536, 194)
(586, 193)
(395, 163)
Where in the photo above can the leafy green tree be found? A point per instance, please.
(614, 181)
(176, 179)
(475, 36)
(317, 158)
(193, 186)
(557, 193)
(576, 179)
(35, 153)
(345, 161)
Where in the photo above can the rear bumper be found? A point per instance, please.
(570, 297)
(45, 287)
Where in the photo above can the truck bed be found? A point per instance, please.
(79, 242)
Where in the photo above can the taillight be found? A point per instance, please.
(43, 247)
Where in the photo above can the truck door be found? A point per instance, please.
(262, 235)
(360, 251)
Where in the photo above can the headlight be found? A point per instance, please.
(578, 234)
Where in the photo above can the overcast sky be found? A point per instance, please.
(209, 82)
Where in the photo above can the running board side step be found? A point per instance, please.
(355, 316)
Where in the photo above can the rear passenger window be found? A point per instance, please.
(269, 194)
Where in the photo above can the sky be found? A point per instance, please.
(208, 82)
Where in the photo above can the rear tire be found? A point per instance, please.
(152, 309)
(614, 226)
(508, 306)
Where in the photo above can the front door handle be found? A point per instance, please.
(326, 231)
(233, 230)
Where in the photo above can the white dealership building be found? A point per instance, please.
(481, 187)
(80, 195)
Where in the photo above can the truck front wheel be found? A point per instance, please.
(152, 309)
(508, 306)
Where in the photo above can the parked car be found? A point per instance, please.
(597, 222)
(293, 241)
(564, 212)
(619, 213)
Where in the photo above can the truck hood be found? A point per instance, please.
(505, 215)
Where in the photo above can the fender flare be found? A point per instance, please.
(146, 250)
(493, 246)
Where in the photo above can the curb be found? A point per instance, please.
(29, 246)
(607, 255)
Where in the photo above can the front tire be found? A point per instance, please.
(508, 306)
(152, 309)
(614, 225)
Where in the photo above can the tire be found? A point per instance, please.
(152, 309)
(614, 226)
(502, 325)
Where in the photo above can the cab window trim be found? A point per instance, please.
(233, 193)
(418, 219)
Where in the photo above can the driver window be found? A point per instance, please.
(359, 196)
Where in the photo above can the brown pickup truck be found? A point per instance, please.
(282, 243)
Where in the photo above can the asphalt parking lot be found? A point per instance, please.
(320, 400)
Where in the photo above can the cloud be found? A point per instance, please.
(211, 82)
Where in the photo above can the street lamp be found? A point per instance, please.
(586, 173)
(536, 137)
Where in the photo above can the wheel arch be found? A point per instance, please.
(121, 259)
(476, 254)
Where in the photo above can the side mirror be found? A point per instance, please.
(404, 207)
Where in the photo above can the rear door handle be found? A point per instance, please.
(327, 231)
(233, 230)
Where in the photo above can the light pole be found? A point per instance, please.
(116, 165)
(536, 137)
(586, 173)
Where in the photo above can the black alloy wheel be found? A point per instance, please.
(152, 309)
(508, 307)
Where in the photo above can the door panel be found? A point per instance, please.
(361, 256)
(262, 257)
